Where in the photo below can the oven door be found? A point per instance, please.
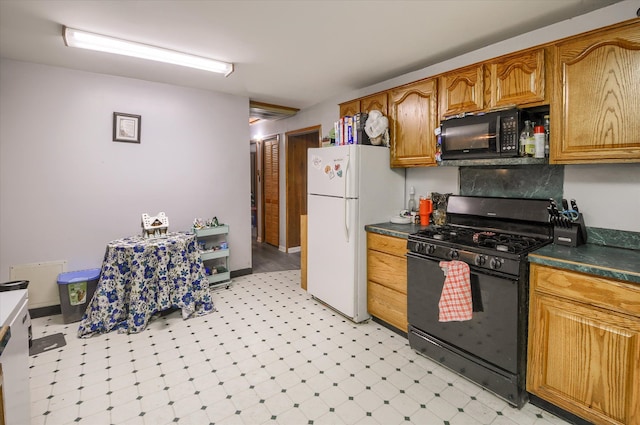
(492, 333)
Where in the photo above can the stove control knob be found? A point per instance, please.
(480, 260)
(495, 263)
(431, 248)
(453, 254)
(419, 247)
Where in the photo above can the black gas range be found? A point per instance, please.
(485, 248)
(493, 236)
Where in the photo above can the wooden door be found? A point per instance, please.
(584, 344)
(271, 192)
(412, 122)
(585, 359)
(376, 101)
(596, 110)
(297, 143)
(349, 108)
(518, 79)
(462, 90)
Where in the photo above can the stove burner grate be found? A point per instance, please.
(478, 238)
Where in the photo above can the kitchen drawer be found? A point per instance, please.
(387, 305)
(606, 293)
(388, 244)
(387, 270)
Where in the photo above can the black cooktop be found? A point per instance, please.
(488, 224)
(479, 238)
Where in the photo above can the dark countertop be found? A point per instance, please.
(605, 261)
(392, 229)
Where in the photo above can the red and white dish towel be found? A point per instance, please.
(455, 302)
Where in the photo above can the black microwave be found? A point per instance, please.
(488, 135)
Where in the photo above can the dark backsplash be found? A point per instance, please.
(534, 181)
(518, 181)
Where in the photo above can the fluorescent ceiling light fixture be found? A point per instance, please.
(103, 43)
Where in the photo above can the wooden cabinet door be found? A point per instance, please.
(518, 79)
(413, 111)
(596, 113)
(387, 279)
(376, 101)
(350, 108)
(584, 344)
(585, 360)
(462, 90)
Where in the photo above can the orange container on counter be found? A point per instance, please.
(425, 210)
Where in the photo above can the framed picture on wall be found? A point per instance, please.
(126, 127)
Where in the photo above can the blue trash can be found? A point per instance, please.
(76, 290)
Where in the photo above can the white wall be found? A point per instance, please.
(595, 187)
(67, 188)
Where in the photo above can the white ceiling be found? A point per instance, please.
(291, 53)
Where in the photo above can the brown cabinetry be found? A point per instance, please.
(584, 344)
(596, 102)
(512, 80)
(590, 82)
(462, 90)
(376, 101)
(518, 79)
(387, 279)
(413, 119)
(350, 108)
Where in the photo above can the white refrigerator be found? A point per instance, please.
(348, 187)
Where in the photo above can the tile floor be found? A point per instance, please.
(269, 355)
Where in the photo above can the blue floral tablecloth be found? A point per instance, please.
(141, 277)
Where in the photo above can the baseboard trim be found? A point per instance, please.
(50, 310)
(241, 272)
(551, 408)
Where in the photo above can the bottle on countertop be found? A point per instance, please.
(527, 143)
(539, 137)
(547, 127)
(411, 206)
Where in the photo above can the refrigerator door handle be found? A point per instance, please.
(344, 200)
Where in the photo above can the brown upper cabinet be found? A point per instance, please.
(413, 119)
(518, 79)
(462, 90)
(590, 82)
(350, 108)
(512, 80)
(595, 114)
(365, 104)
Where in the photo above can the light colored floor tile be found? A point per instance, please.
(442, 408)
(269, 355)
(125, 411)
(277, 403)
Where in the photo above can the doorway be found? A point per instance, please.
(296, 144)
(271, 190)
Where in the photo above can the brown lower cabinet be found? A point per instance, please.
(584, 344)
(387, 279)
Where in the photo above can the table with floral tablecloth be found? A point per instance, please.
(141, 277)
